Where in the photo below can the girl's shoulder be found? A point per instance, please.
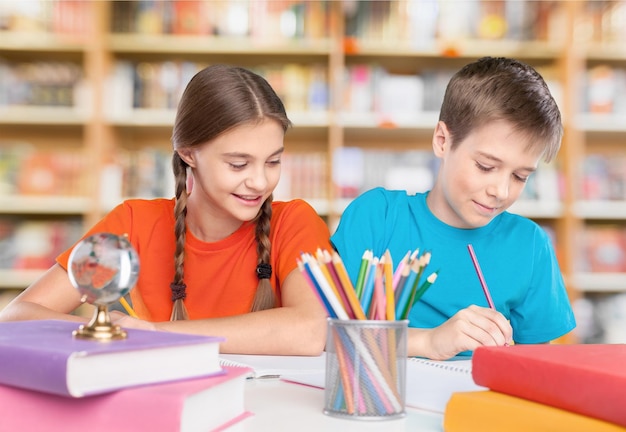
(296, 213)
(146, 210)
(149, 205)
(296, 205)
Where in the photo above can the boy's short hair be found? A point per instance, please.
(497, 88)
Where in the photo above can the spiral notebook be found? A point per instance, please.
(430, 383)
(268, 366)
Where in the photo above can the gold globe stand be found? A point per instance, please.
(100, 327)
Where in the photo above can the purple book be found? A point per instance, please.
(43, 355)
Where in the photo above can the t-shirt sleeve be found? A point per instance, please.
(361, 227)
(546, 312)
(115, 222)
(298, 229)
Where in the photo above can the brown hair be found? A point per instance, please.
(217, 99)
(497, 88)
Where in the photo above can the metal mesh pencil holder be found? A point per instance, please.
(366, 369)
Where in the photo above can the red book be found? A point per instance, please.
(196, 405)
(588, 379)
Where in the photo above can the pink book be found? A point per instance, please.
(43, 355)
(194, 405)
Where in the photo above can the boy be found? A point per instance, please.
(497, 121)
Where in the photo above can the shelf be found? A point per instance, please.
(20, 42)
(607, 51)
(601, 122)
(453, 49)
(150, 118)
(164, 118)
(599, 282)
(424, 121)
(539, 209)
(44, 205)
(181, 45)
(42, 116)
(602, 210)
(18, 278)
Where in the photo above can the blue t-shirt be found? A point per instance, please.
(516, 256)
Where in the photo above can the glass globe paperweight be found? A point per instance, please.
(103, 268)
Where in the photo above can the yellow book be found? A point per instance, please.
(490, 411)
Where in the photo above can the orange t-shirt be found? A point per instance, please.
(221, 276)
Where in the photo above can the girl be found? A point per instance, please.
(220, 258)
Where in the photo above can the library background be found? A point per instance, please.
(88, 91)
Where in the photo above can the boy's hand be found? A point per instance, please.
(468, 329)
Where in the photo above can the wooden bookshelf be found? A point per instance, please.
(101, 133)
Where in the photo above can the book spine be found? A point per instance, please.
(553, 383)
(39, 370)
(489, 411)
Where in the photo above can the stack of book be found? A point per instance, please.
(580, 387)
(152, 380)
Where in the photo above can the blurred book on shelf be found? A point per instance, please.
(356, 170)
(421, 22)
(159, 85)
(605, 90)
(603, 177)
(25, 170)
(604, 249)
(603, 21)
(65, 17)
(40, 83)
(601, 317)
(34, 244)
(303, 175)
(147, 173)
(404, 96)
(546, 184)
(263, 20)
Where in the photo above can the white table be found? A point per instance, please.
(283, 406)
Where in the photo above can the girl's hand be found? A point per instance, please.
(467, 330)
(126, 321)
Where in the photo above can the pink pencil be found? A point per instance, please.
(481, 278)
(379, 293)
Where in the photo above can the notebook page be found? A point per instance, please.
(430, 383)
(269, 366)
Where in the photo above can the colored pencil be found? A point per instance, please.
(347, 286)
(390, 312)
(385, 295)
(365, 264)
(305, 269)
(368, 288)
(379, 305)
(424, 287)
(401, 265)
(324, 285)
(405, 295)
(481, 278)
(325, 260)
(128, 308)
